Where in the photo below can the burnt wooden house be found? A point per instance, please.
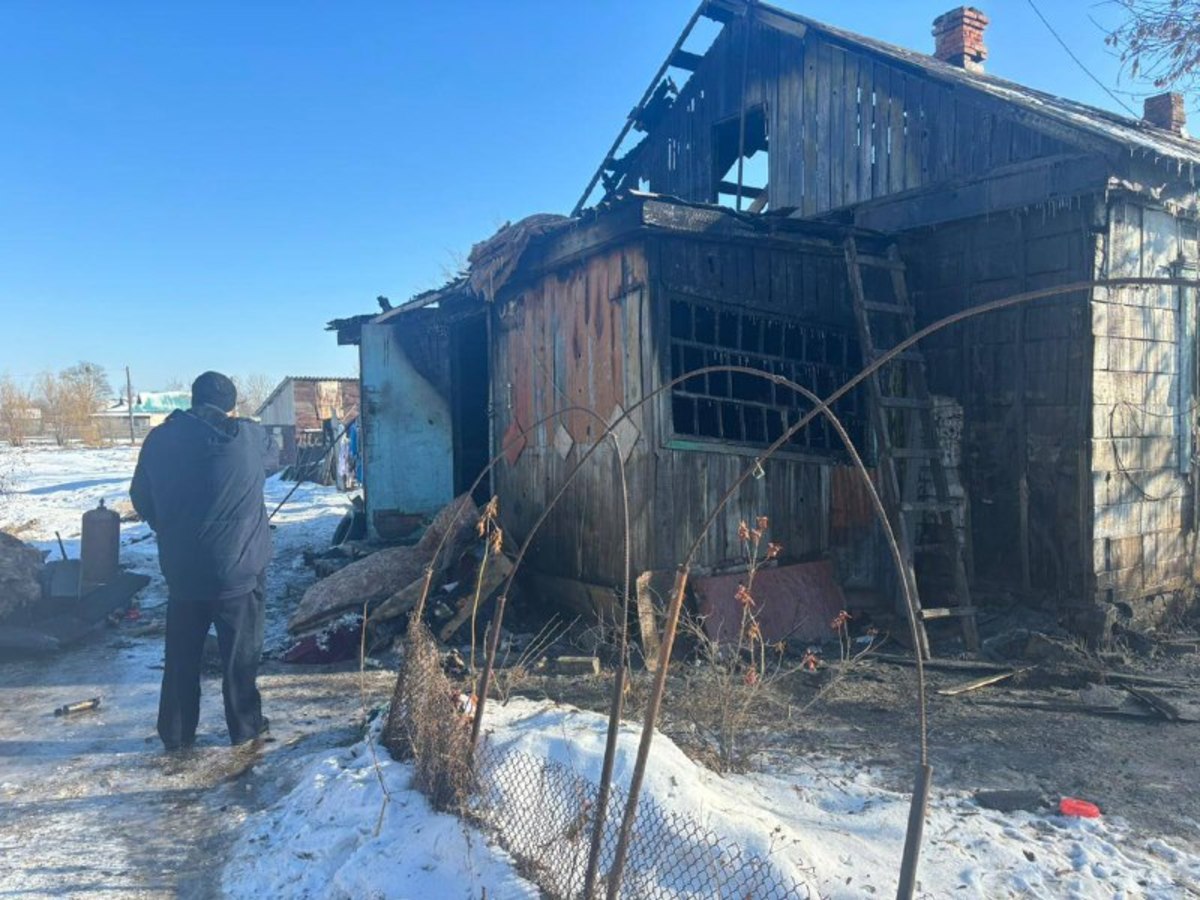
(861, 176)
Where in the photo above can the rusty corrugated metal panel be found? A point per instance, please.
(796, 601)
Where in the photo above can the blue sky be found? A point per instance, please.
(203, 185)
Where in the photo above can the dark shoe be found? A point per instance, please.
(263, 736)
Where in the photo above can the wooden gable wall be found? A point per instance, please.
(845, 125)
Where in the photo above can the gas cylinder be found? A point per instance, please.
(99, 546)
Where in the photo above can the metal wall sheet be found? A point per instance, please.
(789, 602)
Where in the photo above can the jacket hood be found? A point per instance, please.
(214, 422)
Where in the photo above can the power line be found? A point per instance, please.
(1079, 62)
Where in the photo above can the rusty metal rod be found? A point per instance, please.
(498, 616)
(913, 835)
(616, 708)
(616, 873)
(883, 359)
(486, 677)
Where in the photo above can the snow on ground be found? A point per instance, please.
(47, 489)
(320, 841)
(823, 823)
(833, 826)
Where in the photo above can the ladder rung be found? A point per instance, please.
(929, 506)
(880, 262)
(915, 453)
(946, 612)
(906, 402)
(897, 309)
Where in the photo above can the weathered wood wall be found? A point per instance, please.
(1022, 376)
(845, 125)
(1143, 419)
(800, 494)
(597, 334)
(573, 338)
(314, 400)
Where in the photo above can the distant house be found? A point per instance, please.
(295, 412)
(150, 408)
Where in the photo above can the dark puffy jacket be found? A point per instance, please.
(199, 485)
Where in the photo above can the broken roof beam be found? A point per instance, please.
(751, 193)
(659, 104)
(686, 60)
(702, 10)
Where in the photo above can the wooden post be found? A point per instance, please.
(1021, 415)
(129, 403)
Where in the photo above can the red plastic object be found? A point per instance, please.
(1069, 806)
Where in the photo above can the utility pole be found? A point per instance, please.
(129, 403)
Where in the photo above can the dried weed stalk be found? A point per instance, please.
(426, 726)
(724, 697)
(736, 697)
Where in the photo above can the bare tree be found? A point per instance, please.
(15, 405)
(88, 381)
(68, 400)
(85, 389)
(49, 397)
(253, 391)
(1159, 40)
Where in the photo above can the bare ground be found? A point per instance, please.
(94, 807)
(1141, 769)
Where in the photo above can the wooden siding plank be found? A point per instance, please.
(838, 105)
(851, 175)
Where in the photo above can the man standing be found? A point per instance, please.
(199, 485)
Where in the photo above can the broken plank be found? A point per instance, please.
(649, 586)
(577, 665)
(459, 619)
(1124, 678)
(1160, 705)
(981, 682)
(1051, 706)
(943, 665)
(686, 60)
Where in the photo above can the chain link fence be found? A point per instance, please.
(542, 812)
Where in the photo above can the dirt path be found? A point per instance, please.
(92, 805)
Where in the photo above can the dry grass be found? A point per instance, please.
(425, 725)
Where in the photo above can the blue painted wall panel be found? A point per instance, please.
(408, 444)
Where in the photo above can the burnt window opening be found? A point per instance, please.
(754, 160)
(748, 409)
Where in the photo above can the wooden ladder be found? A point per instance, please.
(906, 435)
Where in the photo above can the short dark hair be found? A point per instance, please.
(214, 389)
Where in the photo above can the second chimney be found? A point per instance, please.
(1165, 111)
(958, 38)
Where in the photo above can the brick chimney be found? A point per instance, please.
(958, 38)
(1165, 111)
